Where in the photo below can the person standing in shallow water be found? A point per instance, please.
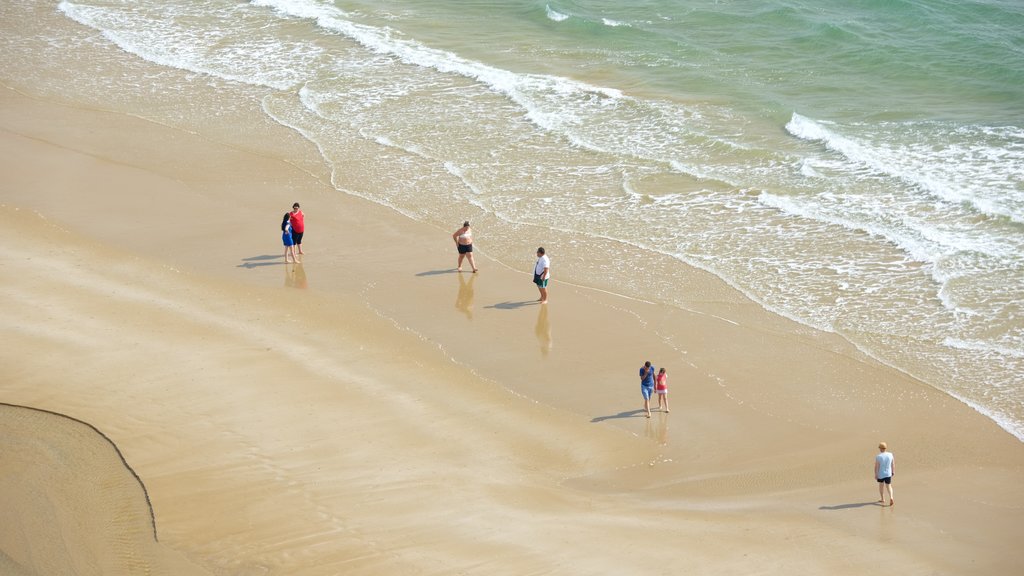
(885, 469)
(541, 274)
(298, 222)
(464, 243)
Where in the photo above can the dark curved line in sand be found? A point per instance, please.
(152, 516)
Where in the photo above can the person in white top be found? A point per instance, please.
(541, 274)
(885, 469)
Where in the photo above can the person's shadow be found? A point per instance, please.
(627, 414)
(438, 272)
(257, 261)
(849, 506)
(512, 305)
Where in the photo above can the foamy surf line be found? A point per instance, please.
(993, 159)
(556, 104)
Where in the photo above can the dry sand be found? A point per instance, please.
(373, 412)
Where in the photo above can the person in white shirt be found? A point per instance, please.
(885, 469)
(541, 274)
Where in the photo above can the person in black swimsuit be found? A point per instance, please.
(464, 242)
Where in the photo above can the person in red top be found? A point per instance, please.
(661, 387)
(298, 222)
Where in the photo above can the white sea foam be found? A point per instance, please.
(1001, 418)
(964, 280)
(924, 240)
(384, 40)
(963, 251)
(554, 15)
(454, 170)
(918, 248)
(701, 173)
(966, 170)
(574, 109)
(237, 53)
(591, 117)
(303, 9)
(985, 346)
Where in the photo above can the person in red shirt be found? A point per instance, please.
(661, 388)
(298, 222)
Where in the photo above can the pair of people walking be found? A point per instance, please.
(654, 383)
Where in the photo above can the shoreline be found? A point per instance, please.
(526, 412)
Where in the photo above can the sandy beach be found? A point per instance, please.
(178, 400)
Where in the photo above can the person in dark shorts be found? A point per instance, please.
(885, 469)
(541, 274)
(464, 243)
(298, 222)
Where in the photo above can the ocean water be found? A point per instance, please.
(855, 166)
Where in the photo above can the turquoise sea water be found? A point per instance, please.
(855, 166)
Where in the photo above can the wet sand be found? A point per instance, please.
(372, 411)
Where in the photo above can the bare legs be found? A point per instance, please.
(289, 251)
(884, 489)
(471, 261)
(663, 399)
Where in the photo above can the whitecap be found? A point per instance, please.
(554, 15)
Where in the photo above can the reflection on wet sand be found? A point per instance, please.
(464, 300)
(656, 428)
(295, 276)
(543, 331)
